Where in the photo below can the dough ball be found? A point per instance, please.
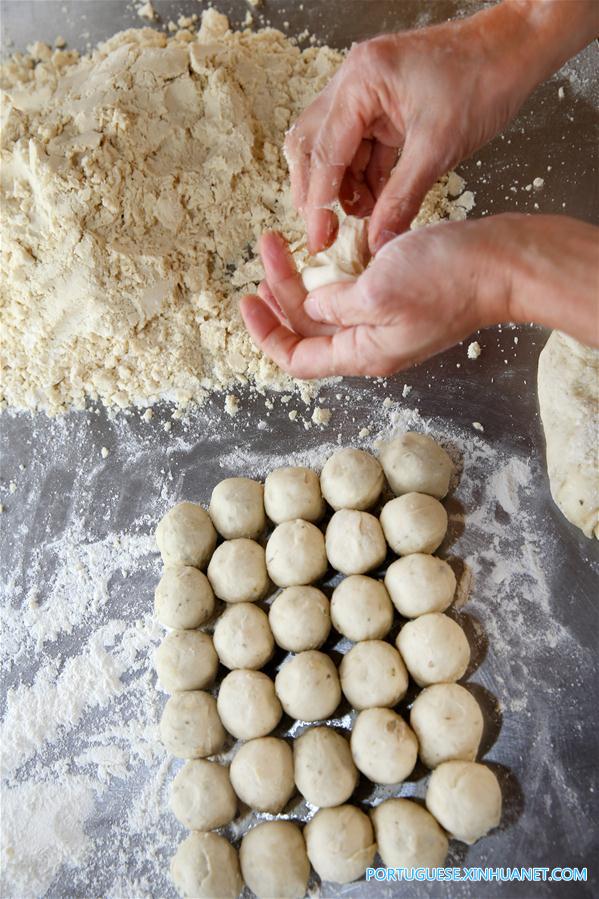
(186, 660)
(291, 493)
(344, 260)
(183, 598)
(242, 637)
(186, 536)
(383, 747)
(355, 542)
(308, 686)
(295, 554)
(237, 571)
(407, 836)
(237, 508)
(262, 774)
(206, 866)
(373, 674)
(465, 798)
(202, 797)
(190, 727)
(300, 618)
(448, 723)
(416, 463)
(274, 862)
(351, 479)
(361, 608)
(340, 843)
(325, 773)
(419, 584)
(414, 523)
(434, 648)
(247, 704)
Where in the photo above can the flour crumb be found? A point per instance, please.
(167, 426)
(148, 414)
(104, 452)
(321, 416)
(365, 432)
(405, 391)
(561, 93)
(477, 426)
(474, 349)
(147, 11)
(231, 404)
(12, 486)
(59, 42)
(292, 415)
(388, 401)
(538, 183)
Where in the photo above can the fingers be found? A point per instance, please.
(338, 304)
(266, 294)
(354, 193)
(380, 165)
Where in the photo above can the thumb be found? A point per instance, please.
(338, 304)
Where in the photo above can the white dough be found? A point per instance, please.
(190, 727)
(345, 260)
(237, 508)
(448, 723)
(205, 866)
(340, 843)
(465, 798)
(383, 747)
(415, 463)
(295, 554)
(414, 523)
(237, 571)
(274, 863)
(308, 686)
(361, 608)
(408, 836)
(186, 536)
(247, 704)
(183, 598)
(325, 772)
(291, 493)
(351, 479)
(434, 648)
(355, 542)
(300, 618)
(186, 660)
(242, 637)
(419, 584)
(373, 674)
(201, 796)
(262, 774)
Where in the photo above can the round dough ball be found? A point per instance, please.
(262, 774)
(340, 843)
(407, 836)
(300, 618)
(291, 493)
(373, 674)
(465, 798)
(325, 773)
(186, 660)
(448, 723)
(414, 523)
(190, 727)
(361, 608)
(237, 508)
(247, 704)
(434, 648)
(242, 637)
(308, 686)
(351, 479)
(202, 797)
(295, 554)
(274, 862)
(186, 536)
(183, 598)
(204, 866)
(420, 584)
(383, 747)
(237, 571)
(416, 463)
(355, 542)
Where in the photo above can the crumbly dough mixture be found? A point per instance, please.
(135, 183)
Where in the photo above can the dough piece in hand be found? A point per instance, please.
(202, 797)
(186, 536)
(237, 508)
(351, 479)
(247, 704)
(361, 608)
(190, 727)
(419, 584)
(291, 493)
(434, 648)
(300, 618)
(415, 463)
(237, 571)
(414, 523)
(295, 554)
(242, 637)
(206, 866)
(373, 674)
(407, 836)
(186, 660)
(465, 798)
(448, 723)
(325, 773)
(355, 542)
(274, 863)
(340, 843)
(262, 774)
(308, 686)
(183, 598)
(345, 260)
(383, 747)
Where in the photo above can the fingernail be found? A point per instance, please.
(312, 308)
(384, 237)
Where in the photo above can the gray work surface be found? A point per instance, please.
(546, 750)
